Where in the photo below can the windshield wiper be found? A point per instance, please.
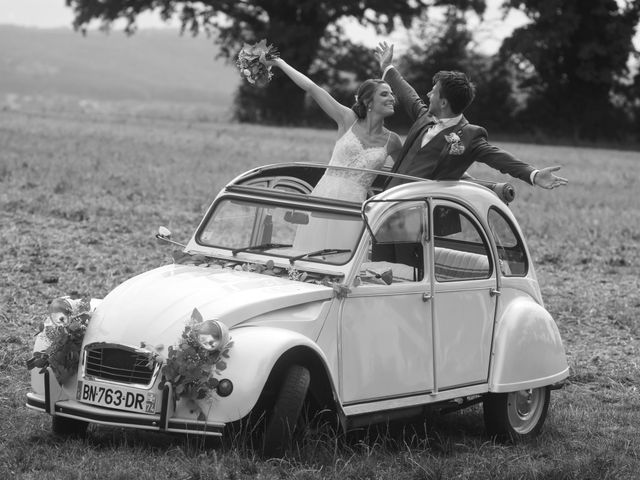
(261, 247)
(317, 253)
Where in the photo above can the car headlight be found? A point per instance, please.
(212, 335)
(60, 310)
(64, 310)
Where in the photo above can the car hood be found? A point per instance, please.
(154, 306)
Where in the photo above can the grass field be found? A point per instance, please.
(82, 194)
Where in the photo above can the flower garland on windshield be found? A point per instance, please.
(250, 62)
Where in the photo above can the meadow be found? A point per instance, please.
(83, 191)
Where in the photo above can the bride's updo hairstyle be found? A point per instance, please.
(364, 95)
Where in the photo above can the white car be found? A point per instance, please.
(424, 296)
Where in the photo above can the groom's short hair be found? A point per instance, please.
(456, 88)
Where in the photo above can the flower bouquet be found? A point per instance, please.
(251, 62)
(63, 333)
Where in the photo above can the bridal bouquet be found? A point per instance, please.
(250, 62)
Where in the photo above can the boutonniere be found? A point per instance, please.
(455, 144)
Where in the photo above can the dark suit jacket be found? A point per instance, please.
(442, 159)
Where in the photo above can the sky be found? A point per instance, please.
(54, 13)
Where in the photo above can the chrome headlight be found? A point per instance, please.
(60, 311)
(212, 335)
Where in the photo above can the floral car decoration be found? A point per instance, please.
(64, 330)
(281, 302)
(201, 353)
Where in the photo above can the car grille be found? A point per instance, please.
(118, 365)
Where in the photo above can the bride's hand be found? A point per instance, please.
(384, 54)
(269, 62)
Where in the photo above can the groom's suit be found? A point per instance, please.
(445, 156)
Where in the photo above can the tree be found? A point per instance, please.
(572, 61)
(296, 27)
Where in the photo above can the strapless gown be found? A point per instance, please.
(348, 151)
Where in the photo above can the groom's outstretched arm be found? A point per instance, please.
(406, 95)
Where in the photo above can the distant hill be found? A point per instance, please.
(152, 65)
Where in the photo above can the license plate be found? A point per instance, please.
(122, 398)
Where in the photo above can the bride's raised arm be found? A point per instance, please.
(342, 115)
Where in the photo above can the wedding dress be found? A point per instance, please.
(344, 184)
(322, 231)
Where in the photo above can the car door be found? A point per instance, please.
(465, 292)
(385, 321)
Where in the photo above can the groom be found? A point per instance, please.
(441, 143)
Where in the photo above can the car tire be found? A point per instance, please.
(68, 427)
(516, 416)
(283, 418)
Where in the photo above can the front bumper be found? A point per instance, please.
(162, 422)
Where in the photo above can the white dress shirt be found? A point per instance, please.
(440, 125)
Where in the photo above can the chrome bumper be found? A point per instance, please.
(162, 422)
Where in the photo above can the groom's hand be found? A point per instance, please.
(384, 54)
(545, 178)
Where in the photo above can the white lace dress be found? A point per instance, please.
(344, 184)
(347, 185)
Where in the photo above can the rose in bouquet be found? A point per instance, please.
(251, 62)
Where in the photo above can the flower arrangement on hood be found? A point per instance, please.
(191, 366)
(63, 333)
(251, 59)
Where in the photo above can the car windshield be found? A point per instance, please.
(291, 231)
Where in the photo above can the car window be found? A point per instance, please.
(282, 230)
(461, 252)
(397, 252)
(511, 253)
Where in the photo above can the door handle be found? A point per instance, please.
(494, 292)
(426, 297)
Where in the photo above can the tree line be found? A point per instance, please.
(567, 74)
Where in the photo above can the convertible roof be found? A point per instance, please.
(307, 175)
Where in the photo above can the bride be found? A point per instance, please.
(363, 142)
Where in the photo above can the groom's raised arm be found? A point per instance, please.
(405, 93)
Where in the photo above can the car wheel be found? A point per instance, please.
(282, 420)
(68, 427)
(516, 415)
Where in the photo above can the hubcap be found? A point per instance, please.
(524, 409)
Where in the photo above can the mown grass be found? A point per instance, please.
(81, 195)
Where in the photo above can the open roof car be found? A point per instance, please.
(424, 296)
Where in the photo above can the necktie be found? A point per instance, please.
(431, 132)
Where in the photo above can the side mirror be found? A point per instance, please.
(164, 235)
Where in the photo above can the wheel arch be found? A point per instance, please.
(257, 363)
(322, 389)
(527, 349)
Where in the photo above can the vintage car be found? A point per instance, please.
(422, 297)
